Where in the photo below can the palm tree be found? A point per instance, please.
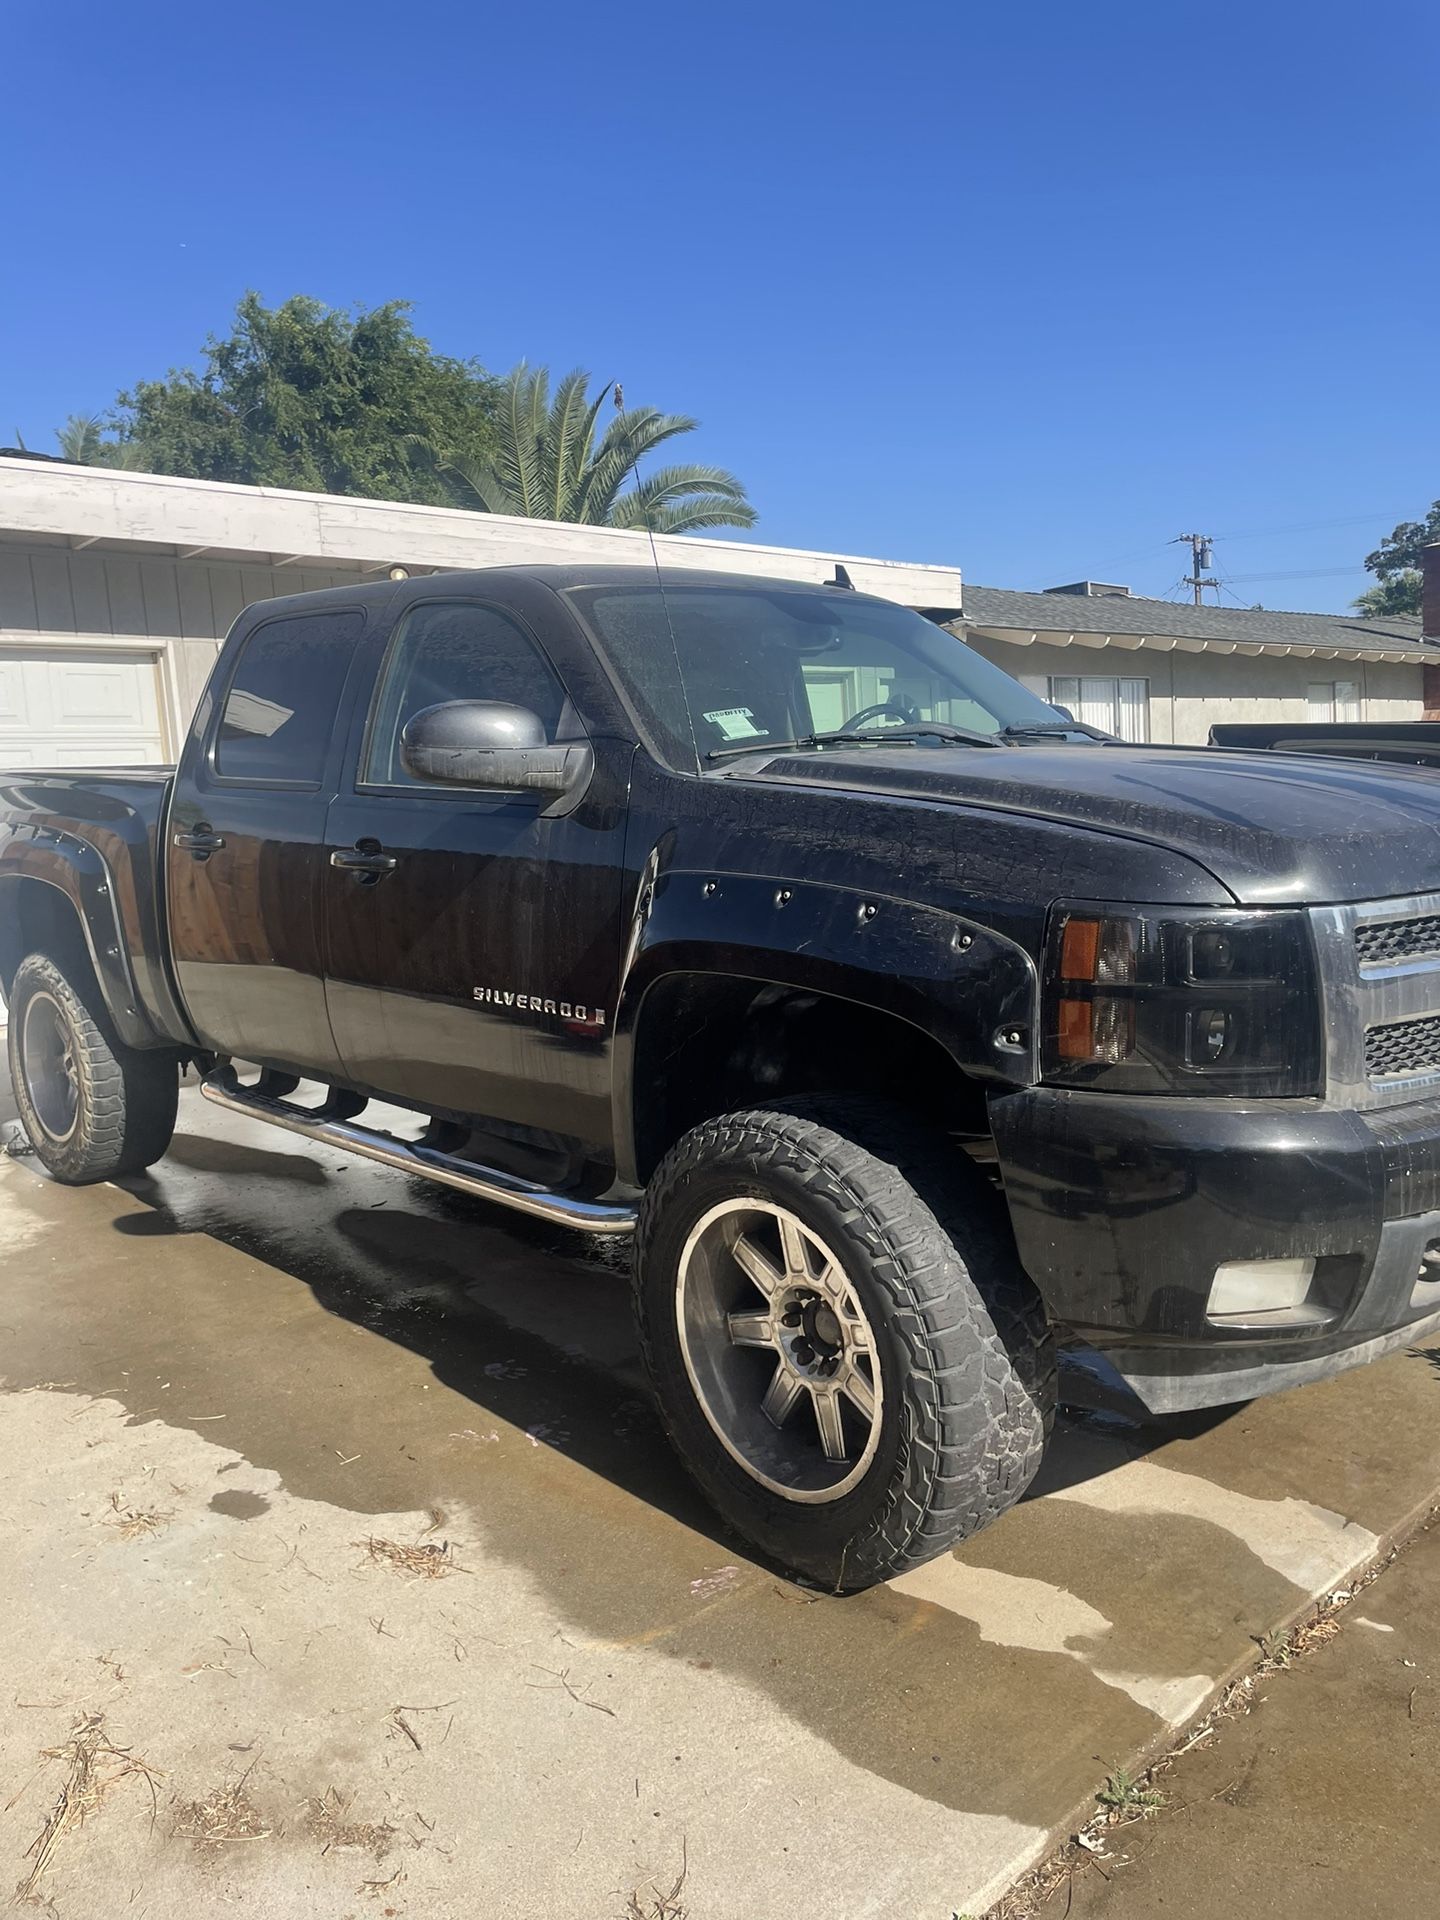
(82, 442)
(550, 466)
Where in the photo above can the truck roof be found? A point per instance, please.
(562, 578)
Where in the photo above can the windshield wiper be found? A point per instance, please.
(874, 737)
(1056, 726)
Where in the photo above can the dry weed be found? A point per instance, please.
(328, 1819)
(228, 1813)
(94, 1766)
(428, 1560)
(137, 1523)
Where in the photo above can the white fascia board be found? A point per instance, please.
(115, 508)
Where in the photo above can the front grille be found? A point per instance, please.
(1407, 1046)
(1387, 943)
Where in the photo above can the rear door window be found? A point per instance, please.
(284, 697)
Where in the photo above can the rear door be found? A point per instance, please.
(474, 974)
(247, 841)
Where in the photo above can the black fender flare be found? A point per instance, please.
(72, 867)
(972, 990)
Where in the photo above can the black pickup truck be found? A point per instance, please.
(911, 1027)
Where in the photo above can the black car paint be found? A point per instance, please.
(913, 882)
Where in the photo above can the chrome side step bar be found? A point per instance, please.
(485, 1183)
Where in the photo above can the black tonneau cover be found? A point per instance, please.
(1413, 743)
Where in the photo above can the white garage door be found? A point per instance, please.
(71, 707)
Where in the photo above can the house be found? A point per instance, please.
(117, 588)
(1153, 670)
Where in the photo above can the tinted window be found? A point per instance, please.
(284, 697)
(448, 650)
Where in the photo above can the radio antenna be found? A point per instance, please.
(619, 393)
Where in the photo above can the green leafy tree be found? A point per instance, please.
(552, 463)
(314, 397)
(1396, 564)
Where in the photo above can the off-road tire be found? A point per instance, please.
(125, 1098)
(962, 1338)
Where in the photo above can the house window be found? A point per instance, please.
(1115, 706)
(1333, 699)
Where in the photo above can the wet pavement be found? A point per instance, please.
(269, 1355)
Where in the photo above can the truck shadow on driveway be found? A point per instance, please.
(529, 1322)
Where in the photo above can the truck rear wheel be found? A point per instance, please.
(92, 1107)
(847, 1354)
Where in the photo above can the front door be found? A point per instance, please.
(247, 842)
(473, 941)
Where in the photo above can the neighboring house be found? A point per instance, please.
(117, 588)
(1154, 670)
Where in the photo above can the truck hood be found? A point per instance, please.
(1272, 828)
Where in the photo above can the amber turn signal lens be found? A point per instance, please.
(1079, 949)
(1074, 1037)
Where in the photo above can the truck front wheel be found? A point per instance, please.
(847, 1354)
(92, 1107)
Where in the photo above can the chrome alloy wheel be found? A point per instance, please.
(779, 1352)
(47, 1060)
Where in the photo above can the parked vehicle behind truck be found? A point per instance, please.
(908, 1026)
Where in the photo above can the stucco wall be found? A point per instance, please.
(1190, 692)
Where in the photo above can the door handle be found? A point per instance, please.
(365, 859)
(202, 841)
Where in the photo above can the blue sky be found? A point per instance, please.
(1028, 289)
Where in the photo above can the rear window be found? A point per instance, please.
(284, 698)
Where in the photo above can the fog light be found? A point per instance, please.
(1243, 1288)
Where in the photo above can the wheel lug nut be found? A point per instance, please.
(791, 1319)
(804, 1352)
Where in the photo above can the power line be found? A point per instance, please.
(1305, 526)
(1300, 573)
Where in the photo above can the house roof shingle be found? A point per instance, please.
(998, 609)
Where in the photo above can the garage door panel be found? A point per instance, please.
(69, 707)
(112, 692)
(14, 708)
(65, 753)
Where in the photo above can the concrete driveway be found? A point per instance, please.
(336, 1502)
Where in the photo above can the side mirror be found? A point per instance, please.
(489, 743)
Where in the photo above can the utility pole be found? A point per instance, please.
(1202, 558)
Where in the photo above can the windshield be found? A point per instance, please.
(752, 666)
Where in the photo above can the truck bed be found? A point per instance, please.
(118, 815)
(1411, 743)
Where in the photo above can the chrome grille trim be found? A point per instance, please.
(1377, 974)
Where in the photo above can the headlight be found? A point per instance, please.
(1165, 1000)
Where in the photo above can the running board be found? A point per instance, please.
(485, 1183)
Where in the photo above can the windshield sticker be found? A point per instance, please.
(736, 723)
